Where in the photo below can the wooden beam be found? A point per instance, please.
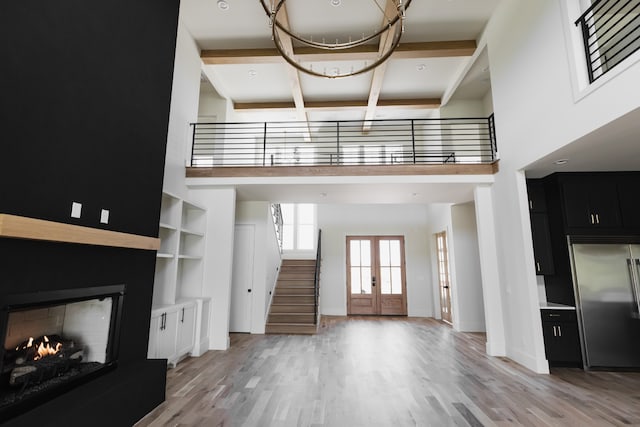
(344, 170)
(386, 41)
(442, 49)
(19, 227)
(294, 77)
(419, 103)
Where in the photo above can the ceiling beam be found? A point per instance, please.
(419, 103)
(442, 49)
(386, 41)
(292, 73)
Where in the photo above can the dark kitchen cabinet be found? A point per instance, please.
(540, 227)
(561, 338)
(629, 198)
(537, 199)
(590, 201)
(541, 243)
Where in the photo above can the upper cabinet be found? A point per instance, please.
(629, 197)
(537, 199)
(591, 201)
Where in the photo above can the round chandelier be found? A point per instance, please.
(388, 35)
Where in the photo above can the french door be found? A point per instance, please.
(376, 275)
(444, 281)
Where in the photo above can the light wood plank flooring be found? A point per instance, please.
(363, 371)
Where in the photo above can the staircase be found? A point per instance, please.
(293, 307)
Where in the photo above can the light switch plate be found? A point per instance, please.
(76, 210)
(104, 216)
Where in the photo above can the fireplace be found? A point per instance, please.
(54, 341)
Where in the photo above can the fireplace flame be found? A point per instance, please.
(47, 350)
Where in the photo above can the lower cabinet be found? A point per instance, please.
(172, 332)
(561, 337)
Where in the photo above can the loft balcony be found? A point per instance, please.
(444, 146)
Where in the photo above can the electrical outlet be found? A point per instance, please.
(104, 216)
(76, 210)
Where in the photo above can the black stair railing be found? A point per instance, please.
(316, 279)
(331, 143)
(611, 33)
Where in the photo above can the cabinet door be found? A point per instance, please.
(629, 194)
(154, 329)
(541, 244)
(537, 199)
(590, 201)
(561, 338)
(166, 348)
(186, 329)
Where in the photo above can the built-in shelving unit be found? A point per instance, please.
(178, 282)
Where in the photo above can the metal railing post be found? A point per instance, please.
(264, 146)
(413, 141)
(193, 142)
(337, 143)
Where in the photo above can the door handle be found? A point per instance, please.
(249, 290)
(373, 281)
(182, 319)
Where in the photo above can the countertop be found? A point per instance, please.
(555, 306)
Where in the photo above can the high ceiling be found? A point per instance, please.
(436, 53)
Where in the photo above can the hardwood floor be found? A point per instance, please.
(362, 371)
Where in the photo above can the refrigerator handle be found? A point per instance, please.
(634, 284)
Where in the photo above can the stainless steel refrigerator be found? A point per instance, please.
(606, 279)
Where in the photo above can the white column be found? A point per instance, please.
(487, 245)
(218, 259)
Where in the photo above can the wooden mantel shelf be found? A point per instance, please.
(20, 227)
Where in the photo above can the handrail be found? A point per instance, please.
(276, 213)
(611, 33)
(316, 279)
(469, 140)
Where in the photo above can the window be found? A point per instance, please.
(298, 226)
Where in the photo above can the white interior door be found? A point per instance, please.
(242, 281)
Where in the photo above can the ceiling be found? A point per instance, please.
(437, 52)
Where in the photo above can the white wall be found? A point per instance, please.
(339, 221)
(211, 104)
(539, 108)
(467, 288)
(183, 111)
(266, 258)
(218, 258)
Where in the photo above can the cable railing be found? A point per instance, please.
(338, 143)
(611, 33)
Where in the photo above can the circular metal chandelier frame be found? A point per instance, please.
(394, 24)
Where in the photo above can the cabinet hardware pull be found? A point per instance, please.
(182, 320)
(559, 331)
(597, 219)
(592, 219)
(538, 266)
(530, 204)
(554, 331)
(554, 315)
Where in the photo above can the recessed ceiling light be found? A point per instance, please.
(223, 5)
(252, 73)
(421, 67)
(323, 194)
(561, 162)
(336, 3)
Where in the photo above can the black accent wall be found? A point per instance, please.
(85, 90)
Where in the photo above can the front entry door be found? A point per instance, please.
(376, 275)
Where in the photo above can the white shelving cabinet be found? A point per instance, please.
(180, 312)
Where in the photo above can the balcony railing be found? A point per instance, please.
(611, 33)
(386, 142)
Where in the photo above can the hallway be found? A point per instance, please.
(368, 371)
